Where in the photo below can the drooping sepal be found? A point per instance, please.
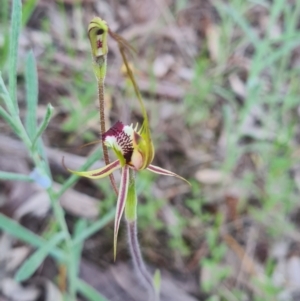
(165, 172)
(121, 204)
(97, 173)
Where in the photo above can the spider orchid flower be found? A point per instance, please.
(134, 150)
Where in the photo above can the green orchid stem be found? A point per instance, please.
(138, 261)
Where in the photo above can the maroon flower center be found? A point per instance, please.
(99, 44)
(123, 140)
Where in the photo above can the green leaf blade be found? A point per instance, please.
(43, 124)
(13, 228)
(16, 20)
(89, 292)
(31, 94)
(9, 120)
(94, 227)
(157, 281)
(75, 257)
(28, 8)
(4, 95)
(36, 259)
(11, 176)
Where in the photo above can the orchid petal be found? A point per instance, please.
(98, 173)
(121, 203)
(165, 172)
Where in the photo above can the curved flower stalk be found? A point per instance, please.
(134, 151)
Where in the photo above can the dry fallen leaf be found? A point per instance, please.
(143, 11)
(16, 292)
(72, 201)
(237, 85)
(210, 176)
(79, 204)
(162, 65)
(212, 33)
(52, 293)
(293, 271)
(16, 257)
(37, 204)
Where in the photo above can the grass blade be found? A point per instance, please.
(157, 281)
(80, 226)
(73, 178)
(42, 152)
(4, 94)
(4, 12)
(95, 227)
(16, 19)
(266, 60)
(36, 259)
(44, 124)
(89, 292)
(242, 22)
(4, 48)
(28, 9)
(11, 176)
(276, 10)
(74, 258)
(31, 94)
(9, 120)
(13, 228)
